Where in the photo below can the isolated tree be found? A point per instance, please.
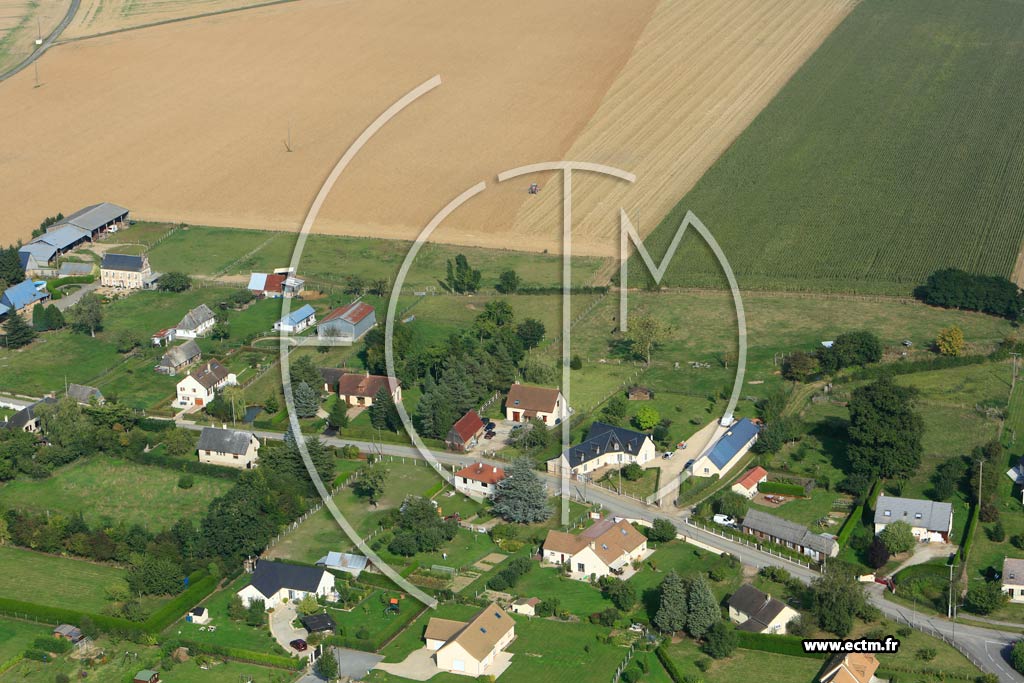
(898, 537)
(355, 284)
(508, 282)
(672, 604)
(851, 348)
(303, 369)
(730, 503)
(370, 482)
(985, 598)
(337, 417)
(662, 530)
(799, 366)
(721, 640)
(379, 287)
(87, 314)
(644, 334)
(950, 341)
(174, 282)
(383, 413)
(127, 341)
(701, 608)
(521, 497)
(531, 331)
(461, 278)
(614, 411)
(11, 272)
(885, 430)
(17, 332)
(878, 554)
(949, 476)
(327, 666)
(838, 598)
(646, 417)
(306, 401)
(178, 442)
(307, 605)
(621, 593)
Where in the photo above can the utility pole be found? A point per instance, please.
(949, 606)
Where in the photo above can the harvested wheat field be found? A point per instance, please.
(187, 121)
(102, 16)
(21, 22)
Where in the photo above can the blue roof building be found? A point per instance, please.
(22, 295)
(297, 320)
(727, 451)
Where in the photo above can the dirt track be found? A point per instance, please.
(187, 121)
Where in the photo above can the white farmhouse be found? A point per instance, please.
(229, 448)
(930, 521)
(476, 647)
(196, 323)
(274, 581)
(605, 445)
(1013, 579)
(478, 479)
(200, 386)
(525, 402)
(606, 547)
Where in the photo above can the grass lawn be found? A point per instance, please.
(204, 251)
(229, 633)
(55, 581)
(16, 635)
(31, 370)
(124, 659)
(808, 511)
(578, 597)
(102, 487)
(641, 488)
(745, 665)
(320, 533)
(411, 638)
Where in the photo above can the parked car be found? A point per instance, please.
(299, 644)
(668, 455)
(724, 520)
(490, 426)
(689, 464)
(489, 435)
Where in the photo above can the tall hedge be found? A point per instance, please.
(240, 655)
(781, 489)
(968, 539)
(779, 644)
(670, 666)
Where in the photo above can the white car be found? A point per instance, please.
(724, 520)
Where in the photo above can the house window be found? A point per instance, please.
(917, 515)
(888, 513)
(580, 567)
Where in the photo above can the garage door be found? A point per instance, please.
(458, 665)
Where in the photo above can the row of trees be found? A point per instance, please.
(953, 288)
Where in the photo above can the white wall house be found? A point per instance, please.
(473, 648)
(297, 321)
(929, 521)
(228, 448)
(605, 445)
(273, 582)
(1013, 579)
(727, 451)
(478, 480)
(200, 386)
(601, 549)
(196, 323)
(525, 402)
(758, 612)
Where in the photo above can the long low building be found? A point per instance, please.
(789, 534)
(84, 225)
(727, 451)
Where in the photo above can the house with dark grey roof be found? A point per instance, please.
(318, 623)
(605, 445)
(22, 297)
(228, 447)
(929, 520)
(85, 394)
(179, 357)
(26, 419)
(273, 581)
(1013, 579)
(758, 612)
(196, 323)
(789, 534)
(36, 257)
(728, 450)
(96, 218)
(125, 271)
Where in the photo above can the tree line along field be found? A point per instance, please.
(894, 151)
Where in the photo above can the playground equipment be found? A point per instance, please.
(392, 608)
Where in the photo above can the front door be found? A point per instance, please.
(199, 401)
(516, 415)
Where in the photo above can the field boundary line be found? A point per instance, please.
(176, 20)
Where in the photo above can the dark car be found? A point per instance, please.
(490, 426)
(299, 644)
(489, 435)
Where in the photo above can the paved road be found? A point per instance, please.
(47, 42)
(988, 648)
(69, 300)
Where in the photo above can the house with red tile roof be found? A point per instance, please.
(347, 323)
(479, 479)
(747, 485)
(465, 433)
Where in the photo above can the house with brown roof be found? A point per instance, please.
(747, 484)
(606, 547)
(478, 479)
(200, 386)
(465, 433)
(525, 606)
(526, 402)
(347, 323)
(475, 647)
(638, 393)
(855, 667)
(360, 390)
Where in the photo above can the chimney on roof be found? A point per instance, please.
(593, 545)
(495, 469)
